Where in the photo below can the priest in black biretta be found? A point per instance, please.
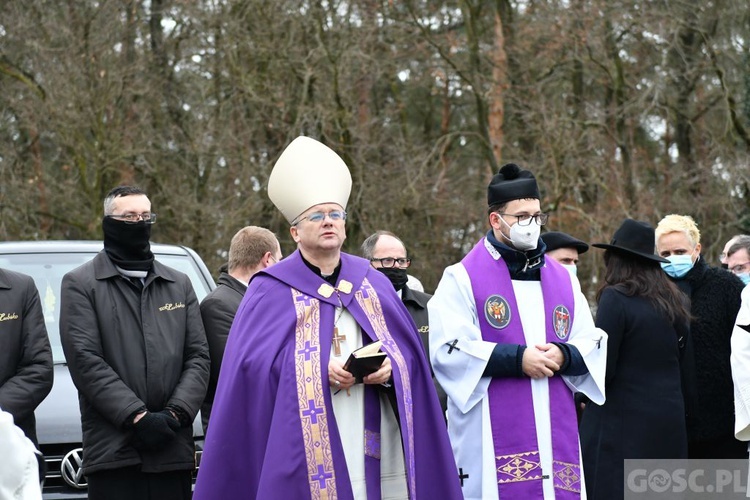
(564, 248)
(511, 183)
(558, 239)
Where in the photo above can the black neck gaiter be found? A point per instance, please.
(128, 244)
(396, 275)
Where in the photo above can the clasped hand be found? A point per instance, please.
(154, 431)
(542, 360)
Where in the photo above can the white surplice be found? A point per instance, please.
(740, 361)
(349, 410)
(453, 315)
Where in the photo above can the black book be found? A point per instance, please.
(365, 360)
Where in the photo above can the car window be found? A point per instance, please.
(48, 270)
(187, 265)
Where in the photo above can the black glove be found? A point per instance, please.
(171, 420)
(153, 431)
(181, 415)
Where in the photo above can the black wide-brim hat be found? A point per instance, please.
(556, 239)
(636, 238)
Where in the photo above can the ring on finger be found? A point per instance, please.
(336, 383)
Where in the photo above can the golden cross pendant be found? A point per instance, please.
(337, 339)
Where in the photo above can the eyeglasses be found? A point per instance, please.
(391, 262)
(525, 220)
(334, 215)
(148, 218)
(739, 268)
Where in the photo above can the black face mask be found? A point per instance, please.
(128, 244)
(396, 275)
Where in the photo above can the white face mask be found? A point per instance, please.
(572, 268)
(524, 238)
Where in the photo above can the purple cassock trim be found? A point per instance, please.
(517, 462)
(367, 299)
(312, 408)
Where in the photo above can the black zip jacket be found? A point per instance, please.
(128, 350)
(25, 355)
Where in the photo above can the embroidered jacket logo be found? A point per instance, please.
(8, 316)
(171, 307)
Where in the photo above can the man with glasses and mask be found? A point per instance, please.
(134, 343)
(738, 258)
(252, 249)
(725, 251)
(289, 421)
(714, 302)
(387, 253)
(512, 338)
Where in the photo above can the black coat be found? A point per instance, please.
(217, 310)
(644, 415)
(25, 355)
(128, 350)
(715, 301)
(416, 303)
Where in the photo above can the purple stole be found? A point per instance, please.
(517, 461)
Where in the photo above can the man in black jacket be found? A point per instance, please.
(387, 253)
(25, 355)
(252, 249)
(707, 378)
(136, 350)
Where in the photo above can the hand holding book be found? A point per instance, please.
(365, 361)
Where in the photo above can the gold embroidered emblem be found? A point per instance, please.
(518, 467)
(345, 286)
(424, 329)
(325, 290)
(171, 307)
(8, 316)
(568, 474)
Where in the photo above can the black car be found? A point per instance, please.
(58, 418)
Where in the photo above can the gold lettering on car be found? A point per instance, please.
(169, 306)
(8, 316)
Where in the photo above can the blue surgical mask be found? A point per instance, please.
(745, 277)
(678, 265)
(572, 268)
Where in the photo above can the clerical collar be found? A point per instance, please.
(330, 278)
(523, 266)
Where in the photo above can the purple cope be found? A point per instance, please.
(273, 432)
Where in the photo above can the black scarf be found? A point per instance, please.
(127, 245)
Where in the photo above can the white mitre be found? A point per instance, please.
(308, 173)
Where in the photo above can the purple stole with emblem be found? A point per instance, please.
(517, 461)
